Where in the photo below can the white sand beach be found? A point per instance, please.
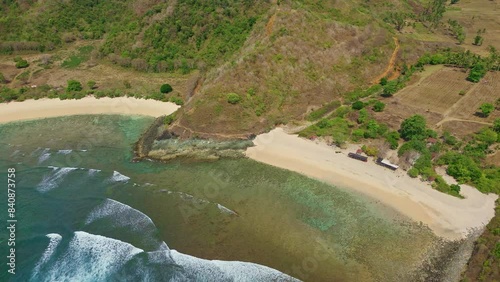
(44, 108)
(448, 216)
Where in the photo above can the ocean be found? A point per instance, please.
(86, 212)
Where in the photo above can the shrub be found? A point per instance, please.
(370, 150)
(378, 106)
(91, 84)
(486, 109)
(127, 84)
(393, 138)
(169, 119)
(455, 188)
(20, 64)
(166, 88)
(383, 81)
(362, 116)
(2, 78)
(413, 172)
(233, 98)
(390, 89)
(177, 100)
(74, 85)
(358, 105)
(496, 125)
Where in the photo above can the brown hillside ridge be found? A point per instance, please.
(284, 69)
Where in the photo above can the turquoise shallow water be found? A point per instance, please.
(86, 213)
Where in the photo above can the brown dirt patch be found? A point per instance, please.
(438, 92)
(486, 91)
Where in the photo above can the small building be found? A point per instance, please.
(357, 157)
(387, 164)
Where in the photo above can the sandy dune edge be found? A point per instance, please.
(44, 108)
(447, 216)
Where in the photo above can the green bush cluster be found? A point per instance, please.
(166, 88)
(233, 98)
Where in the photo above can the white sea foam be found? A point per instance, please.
(55, 239)
(44, 155)
(51, 181)
(64, 152)
(225, 210)
(89, 257)
(118, 177)
(216, 270)
(15, 153)
(93, 171)
(123, 215)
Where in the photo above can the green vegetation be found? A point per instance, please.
(166, 88)
(233, 98)
(91, 84)
(198, 33)
(486, 109)
(319, 113)
(169, 119)
(478, 39)
(378, 106)
(358, 105)
(21, 63)
(413, 128)
(457, 30)
(413, 172)
(74, 85)
(77, 59)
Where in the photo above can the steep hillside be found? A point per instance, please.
(148, 35)
(305, 54)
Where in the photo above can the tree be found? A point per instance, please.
(74, 85)
(486, 109)
(358, 105)
(233, 98)
(434, 11)
(378, 106)
(166, 88)
(413, 127)
(477, 72)
(454, 2)
(398, 19)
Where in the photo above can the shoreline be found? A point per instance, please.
(447, 216)
(46, 108)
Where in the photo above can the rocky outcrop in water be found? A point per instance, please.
(158, 143)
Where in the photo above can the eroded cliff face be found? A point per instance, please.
(158, 143)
